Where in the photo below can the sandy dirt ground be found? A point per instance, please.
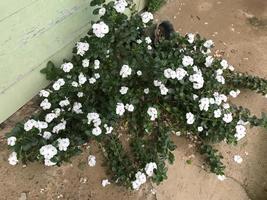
(239, 29)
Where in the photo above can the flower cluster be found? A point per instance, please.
(141, 178)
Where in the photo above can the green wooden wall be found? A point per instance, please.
(32, 33)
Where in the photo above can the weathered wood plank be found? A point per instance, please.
(33, 40)
(11, 7)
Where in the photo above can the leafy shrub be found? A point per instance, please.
(118, 75)
(154, 5)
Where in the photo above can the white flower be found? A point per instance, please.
(12, 159)
(125, 71)
(64, 103)
(102, 11)
(29, 124)
(82, 47)
(57, 85)
(238, 159)
(97, 75)
(85, 63)
(231, 68)
(148, 40)
(44, 93)
(48, 151)
(221, 177)
(217, 113)
(74, 84)
(138, 41)
(92, 80)
(129, 107)
(66, 67)
(49, 163)
(209, 61)
(141, 177)
(195, 96)
(11, 141)
(63, 144)
(139, 73)
(100, 29)
(124, 90)
(57, 111)
(204, 104)
(96, 64)
(136, 185)
(220, 79)
(149, 168)
(146, 90)
(180, 73)
(120, 5)
(157, 83)
(187, 61)
(91, 160)
(149, 47)
(169, 73)
(80, 94)
(120, 109)
(226, 105)
(59, 127)
(219, 72)
(197, 78)
(105, 182)
(82, 78)
(96, 131)
(163, 89)
(94, 117)
(234, 94)
(208, 44)
(200, 129)
(45, 104)
(190, 118)
(219, 98)
(47, 135)
(153, 113)
(50, 117)
(224, 64)
(191, 38)
(240, 131)
(77, 108)
(109, 129)
(227, 117)
(146, 17)
(41, 125)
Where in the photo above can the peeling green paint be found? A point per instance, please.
(33, 32)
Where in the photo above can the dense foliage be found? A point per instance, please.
(154, 5)
(118, 75)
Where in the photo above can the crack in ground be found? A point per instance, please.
(243, 186)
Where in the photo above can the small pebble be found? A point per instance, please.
(221, 177)
(105, 182)
(238, 159)
(23, 196)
